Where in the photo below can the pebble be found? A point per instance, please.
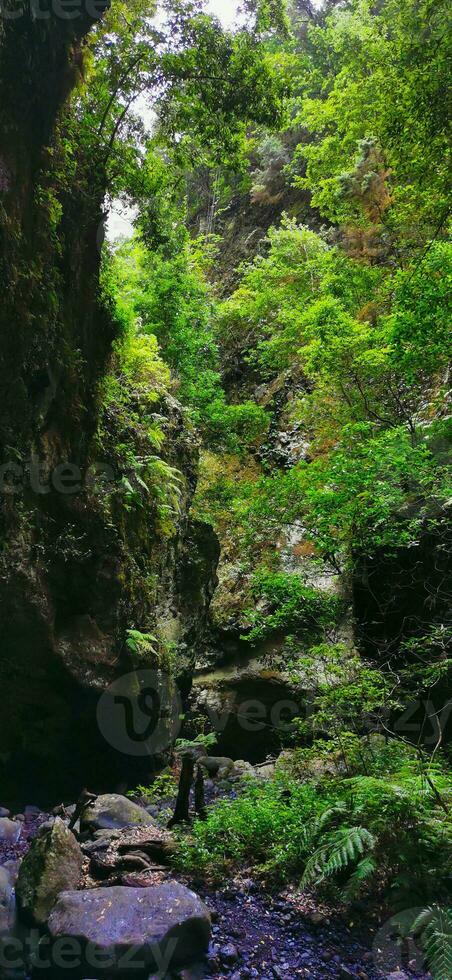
(248, 885)
(229, 954)
(213, 962)
(228, 894)
(4, 812)
(106, 834)
(326, 956)
(318, 919)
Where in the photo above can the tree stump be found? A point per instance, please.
(181, 812)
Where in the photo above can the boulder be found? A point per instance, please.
(242, 768)
(10, 830)
(53, 864)
(8, 875)
(215, 765)
(113, 812)
(134, 929)
(266, 771)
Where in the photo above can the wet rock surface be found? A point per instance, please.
(142, 926)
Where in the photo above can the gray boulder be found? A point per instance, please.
(10, 830)
(52, 865)
(113, 812)
(141, 929)
(215, 765)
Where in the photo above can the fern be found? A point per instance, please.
(363, 871)
(341, 848)
(141, 644)
(328, 815)
(435, 928)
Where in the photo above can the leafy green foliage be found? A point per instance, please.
(141, 645)
(349, 694)
(130, 432)
(370, 492)
(163, 786)
(292, 607)
(380, 73)
(163, 291)
(208, 741)
(339, 335)
(379, 829)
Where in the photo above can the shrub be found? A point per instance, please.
(292, 606)
(379, 831)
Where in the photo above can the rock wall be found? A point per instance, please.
(77, 569)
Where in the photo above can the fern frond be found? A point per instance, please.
(435, 928)
(328, 815)
(342, 848)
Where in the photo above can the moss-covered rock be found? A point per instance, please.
(113, 812)
(53, 864)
